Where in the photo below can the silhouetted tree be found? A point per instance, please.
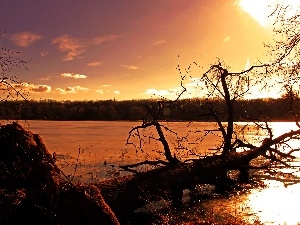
(10, 86)
(227, 87)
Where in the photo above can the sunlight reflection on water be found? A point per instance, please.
(276, 204)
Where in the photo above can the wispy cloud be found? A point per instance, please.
(94, 64)
(72, 46)
(105, 38)
(152, 91)
(45, 78)
(40, 88)
(106, 88)
(130, 67)
(227, 38)
(71, 90)
(24, 39)
(48, 77)
(101, 91)
(32, 88)
(79, 76)
(75, 76)
(160, 42)
(44, 53)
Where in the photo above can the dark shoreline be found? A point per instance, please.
(136, 110)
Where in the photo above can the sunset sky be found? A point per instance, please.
(127, 49)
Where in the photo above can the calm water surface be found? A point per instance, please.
(91, 150)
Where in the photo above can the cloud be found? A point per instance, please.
(106, 89)
(160, 42)
(24, 39)
(60, 91)
(44, 53)
(47, 78)
(94, 63)
(73, 47)
(130, 67)
(75, 76)
(227, 38)
(105, 38)
(66, 75)
(40, 88)
(101, 91)
(173, 93)
(79, 76)
(152, 91)
(71, 90)
(26, 87)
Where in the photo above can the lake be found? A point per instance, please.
(101, 145)
(91, 150)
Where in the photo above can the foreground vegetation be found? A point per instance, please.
(33, 189)
(195, 109)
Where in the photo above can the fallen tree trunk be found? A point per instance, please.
(128, 193)
(34, 190)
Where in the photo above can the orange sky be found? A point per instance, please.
(125, 49)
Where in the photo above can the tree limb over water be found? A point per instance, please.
(234, 153)
(27, 170)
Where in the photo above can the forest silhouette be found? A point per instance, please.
(194, 109)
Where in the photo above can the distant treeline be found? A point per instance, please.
(183, 110)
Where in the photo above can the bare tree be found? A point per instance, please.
(11, 88)
(220, 83)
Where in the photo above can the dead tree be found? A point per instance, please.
(220, 83)
(11, 88)
(128, 193)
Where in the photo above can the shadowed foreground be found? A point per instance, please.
(33, 190)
